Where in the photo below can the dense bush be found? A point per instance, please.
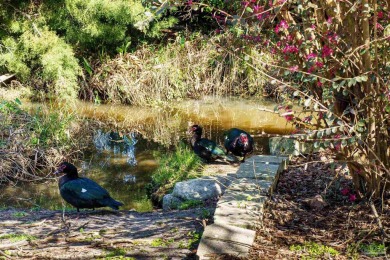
(42, 60)
(43, 42)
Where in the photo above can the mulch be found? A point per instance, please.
(314, 215)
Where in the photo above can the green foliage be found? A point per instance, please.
(159, 242)
(313, 250)
(188, 204)
(17, 237)
(116, 252)
(194, 239)
(46, 128)
(180, 165)
(20, 214)
(50, 128)
(98, 23)
(373, 249)
(40, 57)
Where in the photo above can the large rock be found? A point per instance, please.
(197, 189)
(171, 202)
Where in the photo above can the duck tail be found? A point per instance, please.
(113, 203)
(231, 158)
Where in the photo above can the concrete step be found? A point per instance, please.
(225, 239)
(246, 184)
(240, 209)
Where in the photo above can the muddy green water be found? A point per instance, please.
(124, 169)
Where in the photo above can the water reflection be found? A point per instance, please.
(118, 143)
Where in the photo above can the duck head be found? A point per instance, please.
(244, 139)
(196, 129)
(67, 168)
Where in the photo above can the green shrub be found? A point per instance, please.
(42, 59)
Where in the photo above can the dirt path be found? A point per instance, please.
(100, 234)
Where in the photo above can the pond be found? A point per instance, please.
(124, 166)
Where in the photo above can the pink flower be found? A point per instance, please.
(283, 24)
(307, 119)
(337, 146)
(311, 69)
(313, 26)
(379, 26)
(345, 191)
(293, 68)
(258, 8)
(319, 84)
(311, 56)
(319, 64)
(245, 3)
(290, 49)
(326, 51)
(289, 115)
(352, 197)
(189, 2)
(380, 15)
(329, 21)
(277, 28)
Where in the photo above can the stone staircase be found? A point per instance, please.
(240, 209)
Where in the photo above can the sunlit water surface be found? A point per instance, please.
(122, 158)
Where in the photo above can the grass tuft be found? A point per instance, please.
(183, 164)
(17, 237)
(313, 250)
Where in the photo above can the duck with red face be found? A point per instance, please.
(207, 149)
(238, 142)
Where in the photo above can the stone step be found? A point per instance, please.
(240, 209)
(260, 171)
(240, 206)
(262, 167)
(272, 159)
(225, 239)
(246, 215)
(246, 184)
